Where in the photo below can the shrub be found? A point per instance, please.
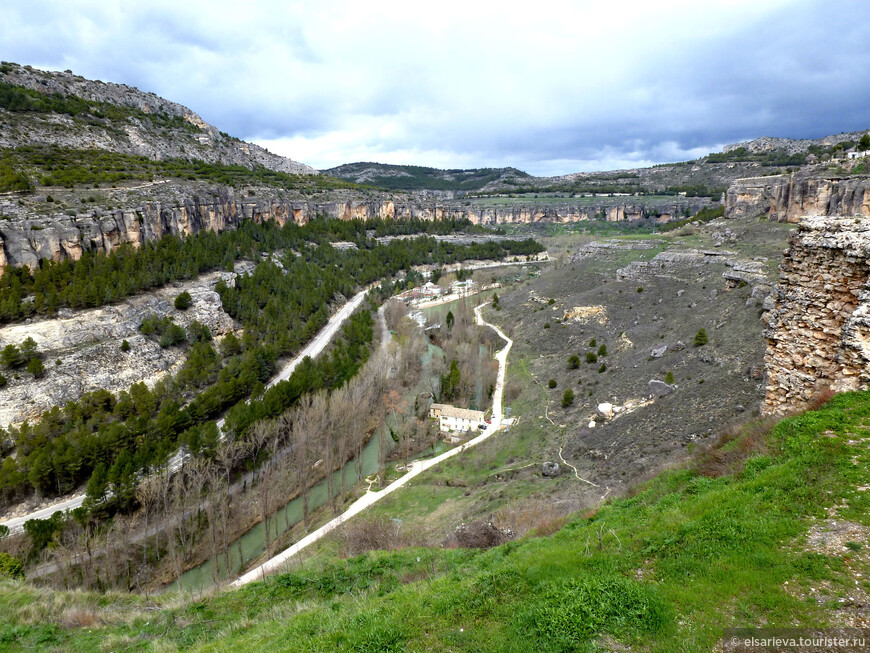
(551, 301)
(567, 398)
(602, 350)
(10, 356)
(640, 289)
(546, 325)
(669, 377)
(3, 381)
(173, 335)
(125, 346)
(701, 338)
(198, 332)
(591, 357)
(10, 566)
(551, 383)
(183, 301)
(35, 367)
(603, 368)
(593, 343)
(573, 362)
(231, 345)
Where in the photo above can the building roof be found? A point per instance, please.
(461, 413)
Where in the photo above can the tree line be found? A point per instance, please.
(98, 278)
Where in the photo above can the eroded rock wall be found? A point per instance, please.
(818, 333)
(789, 198)
(29, 238)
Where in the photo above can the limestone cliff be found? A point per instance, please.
(819, 327)
(789, 198)
(26, 237)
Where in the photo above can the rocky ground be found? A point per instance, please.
(81, 350)
(645, 300)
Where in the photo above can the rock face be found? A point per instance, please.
(819, 328)
(87, 344)
(193, 138)
(160, 210)
(789, 198)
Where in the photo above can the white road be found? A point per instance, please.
(312, 349)
(417, 467)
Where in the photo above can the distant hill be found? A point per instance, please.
(396, 177)
(63, 110)
(767, 144)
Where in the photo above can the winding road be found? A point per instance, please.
(312, 349)
(417, 467)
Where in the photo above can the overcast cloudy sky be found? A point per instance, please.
(549, 87)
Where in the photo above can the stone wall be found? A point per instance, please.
(818, 333)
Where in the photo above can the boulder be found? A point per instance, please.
(660, 388)
(658, 352)
(605, 410)
(551, 470)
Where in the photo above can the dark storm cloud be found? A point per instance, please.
(555, 87)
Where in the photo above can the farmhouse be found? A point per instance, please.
(451, 418)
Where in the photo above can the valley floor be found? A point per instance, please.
(775, 537)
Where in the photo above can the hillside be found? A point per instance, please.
(708, 176)
(397, 177)
(64, 110)
(768, 529)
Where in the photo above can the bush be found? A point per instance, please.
(183, 301)
(35, 367)
(10, 566)
(567, 398)
(546, 325)
(591, 357)
(125, 346)
(669, 378)
(552, 383)
(593, 343)
(701, 338)
(230, 345)
(602, 350)
(198, 332)
(10, 356)
(3, 380)
(173, 335)
(603, 368)
(573, 362)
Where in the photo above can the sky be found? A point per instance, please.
(549, 87)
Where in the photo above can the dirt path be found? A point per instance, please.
(417, 467)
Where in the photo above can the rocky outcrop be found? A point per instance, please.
(135, 134)
(789, 198)
(818, 332)
(81, 349)
(27, 238)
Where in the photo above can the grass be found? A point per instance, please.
(664, 570)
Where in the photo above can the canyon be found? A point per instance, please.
(26, 237)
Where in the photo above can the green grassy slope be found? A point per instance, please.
(664, 570)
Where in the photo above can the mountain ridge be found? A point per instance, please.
(145, 124)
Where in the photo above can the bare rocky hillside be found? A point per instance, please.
(146, 125)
